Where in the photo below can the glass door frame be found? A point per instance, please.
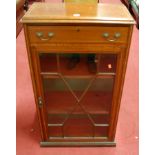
(119, 51)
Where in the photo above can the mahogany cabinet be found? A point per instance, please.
(77, 107)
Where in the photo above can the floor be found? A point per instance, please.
(28, 135)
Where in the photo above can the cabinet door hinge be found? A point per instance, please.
(40, 103)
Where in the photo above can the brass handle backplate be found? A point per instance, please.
(114, 38)
(40, 35)
(117, 35)
(105, 35)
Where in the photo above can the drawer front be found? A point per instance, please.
(49, 34)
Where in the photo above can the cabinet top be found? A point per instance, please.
(78, 13)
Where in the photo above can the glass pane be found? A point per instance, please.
(98, 98)
(58, 99)
(78, 93)
(55, 131)
(48, 62)
(100, 118)
(77, 64)
(101, 131)
(78, 127)
(56, 118)
(107, 63)
(78, 85)
(78, 124)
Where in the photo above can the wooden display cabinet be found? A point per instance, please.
(77, 107)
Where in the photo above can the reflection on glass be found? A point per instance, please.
(77, 64)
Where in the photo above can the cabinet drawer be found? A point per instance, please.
(45, 34)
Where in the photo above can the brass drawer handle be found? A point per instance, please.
(111, 40)
(115, 37)
(40, 35)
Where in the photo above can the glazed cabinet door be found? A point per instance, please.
(77, 93)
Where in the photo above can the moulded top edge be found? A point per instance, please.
(77, 12)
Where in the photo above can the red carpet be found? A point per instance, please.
(28, 136)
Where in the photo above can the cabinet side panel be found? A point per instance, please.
(122, 72)
(33, 80)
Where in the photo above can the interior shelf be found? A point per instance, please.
(47, 75)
